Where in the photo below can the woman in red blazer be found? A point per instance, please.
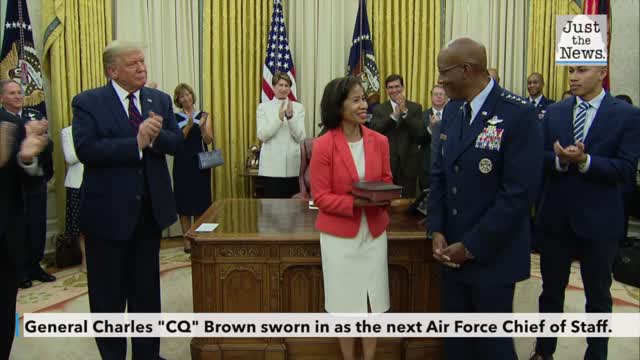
(353, 236)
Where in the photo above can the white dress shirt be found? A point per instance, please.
(590, 116)
(536, 100)
(478, 101)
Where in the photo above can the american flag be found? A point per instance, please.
(278, 57)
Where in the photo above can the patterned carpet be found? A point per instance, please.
(69, 294)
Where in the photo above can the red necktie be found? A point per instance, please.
(134, 115)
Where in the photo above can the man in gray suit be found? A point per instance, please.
(429, 145)
(401, 121)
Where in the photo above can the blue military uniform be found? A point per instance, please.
(542, 104)
(483, 182)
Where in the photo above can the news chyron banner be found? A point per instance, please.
(331, 325)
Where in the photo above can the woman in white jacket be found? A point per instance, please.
(73, 183)
(281, 130)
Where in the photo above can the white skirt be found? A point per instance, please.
(354, 268)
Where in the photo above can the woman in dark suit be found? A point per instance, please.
(192, 186)
(353, 236)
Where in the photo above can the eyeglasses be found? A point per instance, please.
(448, 68)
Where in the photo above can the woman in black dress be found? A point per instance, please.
(191, 186)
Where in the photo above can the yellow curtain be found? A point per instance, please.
(234, 43)
(406, 40)
(76, 32)
(542, 43)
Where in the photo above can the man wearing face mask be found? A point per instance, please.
(401, 121)
(280, 127)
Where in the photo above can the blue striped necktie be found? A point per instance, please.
(134, 115)
(581, 118)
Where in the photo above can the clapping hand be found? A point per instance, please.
(289, 112)
(572, 154)
(35, 141)
(149, 130)
(433, 120)
(402, 104)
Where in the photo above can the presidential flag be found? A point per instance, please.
(278, 57)
(362, 61)
(18, 58)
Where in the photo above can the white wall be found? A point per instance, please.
(624, 58)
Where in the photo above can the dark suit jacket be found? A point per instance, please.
(483, 186)
(590, 204)
(425, 151)
(14, 183)
(114, 175)
(404, 137)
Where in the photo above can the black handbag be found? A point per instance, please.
(209, 159)
(626, 269)
(67, 251)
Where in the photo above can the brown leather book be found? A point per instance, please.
(376, 190)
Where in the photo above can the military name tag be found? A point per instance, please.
(485, 166)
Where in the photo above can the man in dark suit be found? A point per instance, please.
(36, 200)
(431, 119)
(535, 84)
(122, 132)
(19, 147)
(401, 121)
(483, 183)
(591, 149)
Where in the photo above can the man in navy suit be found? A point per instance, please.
(122, 132)
(483, 183)
(535, 84)
(12, 97)
(590, 150)
(20, 146)
(431, 119)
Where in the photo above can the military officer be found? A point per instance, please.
(483, 183)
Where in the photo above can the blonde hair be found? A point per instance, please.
(178, 91)
(114, 50)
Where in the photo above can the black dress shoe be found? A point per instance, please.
(25, 283)
(42, 276)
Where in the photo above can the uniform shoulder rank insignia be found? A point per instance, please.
(515, 99)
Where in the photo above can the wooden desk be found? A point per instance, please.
(265, 257)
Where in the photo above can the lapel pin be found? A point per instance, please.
(149, 100)
(484, 113)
